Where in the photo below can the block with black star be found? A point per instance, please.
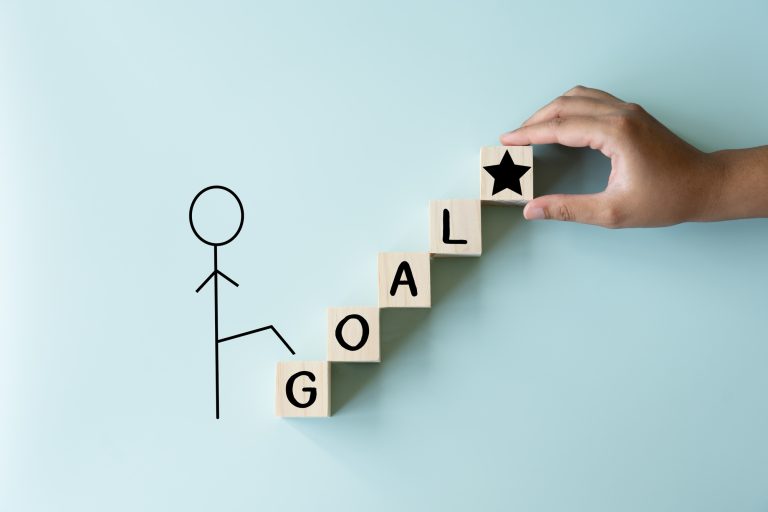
(506, 174)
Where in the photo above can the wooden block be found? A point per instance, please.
(455, 228)
(404, 280)
(353, 334)
(303, 389)
(506, 174)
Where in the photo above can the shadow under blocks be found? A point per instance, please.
(558, 170)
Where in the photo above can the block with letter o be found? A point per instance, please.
(353, 334)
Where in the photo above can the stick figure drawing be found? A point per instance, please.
(216, 274)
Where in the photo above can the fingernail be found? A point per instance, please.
(535, 213)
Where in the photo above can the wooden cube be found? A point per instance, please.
(506, 174)
(454, 228)
(353, 334)
(404, 280)
(303, 389)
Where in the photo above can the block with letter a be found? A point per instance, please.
(404, 280)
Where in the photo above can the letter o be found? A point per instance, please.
(363, 336)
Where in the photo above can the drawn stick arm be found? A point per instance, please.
(225, 276)
(254, 331)
(205, 282)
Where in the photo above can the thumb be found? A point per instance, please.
(583, 208)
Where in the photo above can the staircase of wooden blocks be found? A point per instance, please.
(506, 177)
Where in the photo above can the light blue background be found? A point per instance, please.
(569, 368)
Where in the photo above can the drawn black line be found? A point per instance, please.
(215, 276)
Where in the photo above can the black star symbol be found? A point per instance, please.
(506, 174)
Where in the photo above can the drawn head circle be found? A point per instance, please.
(239, 223)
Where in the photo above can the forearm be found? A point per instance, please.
(743, 187)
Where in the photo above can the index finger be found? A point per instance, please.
(589, 92)
(575, 131)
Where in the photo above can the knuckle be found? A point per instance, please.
(624, 122)
(633, 107)
(612, 217)
(577, 89)
(556, 122)
(558, 105)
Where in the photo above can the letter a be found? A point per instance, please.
(404, 268)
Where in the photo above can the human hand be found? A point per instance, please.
(656, 179)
